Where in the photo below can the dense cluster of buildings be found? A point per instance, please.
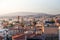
(27, 21)
(33, 24)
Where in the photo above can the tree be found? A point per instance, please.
(52, 21)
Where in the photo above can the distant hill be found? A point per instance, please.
(57, 15)
(24, 14)
(20, 14)
(39, 15)
(29, 14)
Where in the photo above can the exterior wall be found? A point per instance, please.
(51, 30)
(1, 38)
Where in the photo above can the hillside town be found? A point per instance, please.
(28, 28)
(29, 19)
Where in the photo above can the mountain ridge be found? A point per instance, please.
(24, 14)
(29, 14)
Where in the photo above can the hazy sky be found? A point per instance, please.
(45, 6)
